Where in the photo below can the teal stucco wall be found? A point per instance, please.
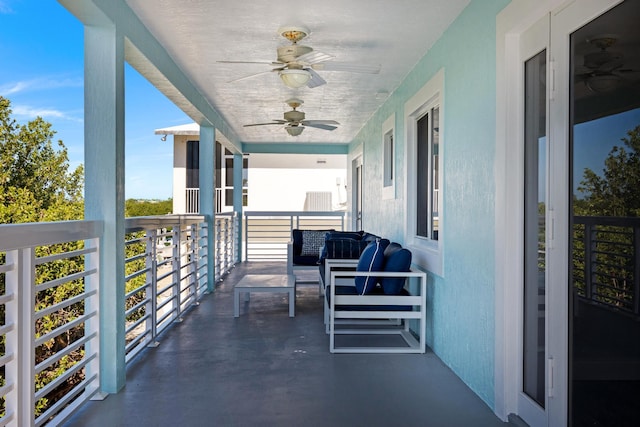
(461, 329)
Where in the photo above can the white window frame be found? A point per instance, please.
(389, 158)
(427, 253)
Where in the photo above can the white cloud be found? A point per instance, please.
(38, 84)
(31, 113)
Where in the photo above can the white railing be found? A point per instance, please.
(166, 268)
(161, 267)
(267, 233)
(49, 303)
(227, 241)
(192, 200)
(49, 290)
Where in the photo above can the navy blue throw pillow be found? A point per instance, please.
(398, 261)
(371, 259)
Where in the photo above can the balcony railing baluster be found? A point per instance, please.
(611, 258)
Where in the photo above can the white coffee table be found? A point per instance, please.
(265, 283)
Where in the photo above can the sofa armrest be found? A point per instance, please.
(290, 257)
(336, 265)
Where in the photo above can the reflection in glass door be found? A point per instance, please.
(604, 347)
(535, 175)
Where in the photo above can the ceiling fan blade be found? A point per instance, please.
(253, 75)
(275, 122)
(314, 57)
(325, 127)
(320, 124)
(346, 66)
(274, 63)
(315, 80)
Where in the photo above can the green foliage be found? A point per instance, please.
(133, 207)
(34, 175)
(617, 191)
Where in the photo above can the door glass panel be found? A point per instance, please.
(534, 234)
(604, 346)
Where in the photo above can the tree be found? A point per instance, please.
(614, 193)
(617, 191)
(133, 207)
(35, 180)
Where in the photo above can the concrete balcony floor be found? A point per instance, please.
(267, 369)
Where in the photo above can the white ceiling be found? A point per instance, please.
(199, 33)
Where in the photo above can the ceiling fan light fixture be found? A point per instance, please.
(294, 78)
(294, 130)
(603, 83)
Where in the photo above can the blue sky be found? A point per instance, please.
(42, 75)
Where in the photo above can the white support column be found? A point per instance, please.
(104, 188)
(207, 150)
(238, 172)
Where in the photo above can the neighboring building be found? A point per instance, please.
(305, 182)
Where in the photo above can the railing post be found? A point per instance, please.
(218, 249)
(177, 268)
(193, 264)
(20, 370)
(152, 280)
(92, 325)
(246, 237)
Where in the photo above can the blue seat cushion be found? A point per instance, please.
(396, 260)
(371, 259)
(350, 290)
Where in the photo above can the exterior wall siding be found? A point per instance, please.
(461, 319)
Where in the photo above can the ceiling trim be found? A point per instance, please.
(295, 148)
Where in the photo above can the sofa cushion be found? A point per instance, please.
(297, 241)
(312, 242)
(343, 248)
(371, 259)
(357, 235)
(339, 235)
(396, 260)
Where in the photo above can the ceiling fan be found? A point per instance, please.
(296, 64)
(295, 122)
(603, 70)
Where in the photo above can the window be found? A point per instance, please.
(428, 165)
(193, 164)
(228, 175)
(388, 159)
(423, 117)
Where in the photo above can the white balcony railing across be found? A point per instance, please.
(49, 311)
(267, 233)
